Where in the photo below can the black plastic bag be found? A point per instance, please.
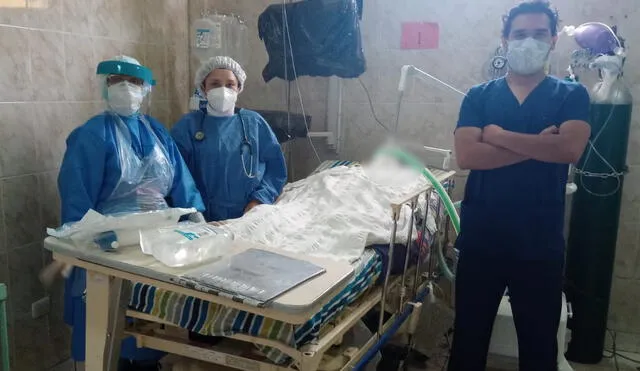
(325, 38)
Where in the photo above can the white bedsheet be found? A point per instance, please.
(335, 213)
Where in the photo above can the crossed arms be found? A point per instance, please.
(485, 147)
(493, 147)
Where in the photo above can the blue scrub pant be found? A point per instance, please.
(535, 290)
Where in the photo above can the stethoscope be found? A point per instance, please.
(245, 145)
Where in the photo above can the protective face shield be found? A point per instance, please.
(125, 98)
(527, 56)
(221, 101)
(125, 84)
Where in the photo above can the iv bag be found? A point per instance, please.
(220, 35)
(207, 37)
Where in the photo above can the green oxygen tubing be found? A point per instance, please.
(416, 164)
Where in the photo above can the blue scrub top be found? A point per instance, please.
(218, 161)
(519, 209)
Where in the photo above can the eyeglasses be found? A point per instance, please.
(115, 79)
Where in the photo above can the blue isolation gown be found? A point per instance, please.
(222, 166)
(90, 171)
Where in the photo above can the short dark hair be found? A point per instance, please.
(531, 7)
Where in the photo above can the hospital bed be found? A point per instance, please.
(300, 330)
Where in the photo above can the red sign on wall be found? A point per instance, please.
(420, 35)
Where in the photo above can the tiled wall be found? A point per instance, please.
(48, 86)
(469, 35)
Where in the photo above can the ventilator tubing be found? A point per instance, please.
(413, 162)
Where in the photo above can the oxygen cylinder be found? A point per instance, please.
(595, 212)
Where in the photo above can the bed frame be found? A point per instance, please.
(410, 289)
(402, 296)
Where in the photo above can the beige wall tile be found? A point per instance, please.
(132, 20)
(625, 306)
(195, 8)
(16, 16)
(177, 18)
(60, 332)
(15, 71)
(80, 67)
(18, 149)
(176, 111)
(104, 49)
(156, 59)
(78, 15)
(25, 264)
(634, 143)
(630, 209)
(627, 250)
(178, 77)
(154, 21)
(32, 349)
(45, 14)
(81, 112)
(47, 65)
(161, 111)
(135, 50)
(49, 199)
(625, 342)
(107, 20)
(21, 211)
(52, 126)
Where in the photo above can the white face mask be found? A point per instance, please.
(125, 98)
(221, 101)
(527, 56)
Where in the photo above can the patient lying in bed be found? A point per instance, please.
(333, 214)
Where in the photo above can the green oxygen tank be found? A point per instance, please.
(595, 212)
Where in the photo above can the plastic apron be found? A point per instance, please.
(143, 185)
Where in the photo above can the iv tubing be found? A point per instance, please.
(444, 196)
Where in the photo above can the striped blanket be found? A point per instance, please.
(212, 319)
(331, 164)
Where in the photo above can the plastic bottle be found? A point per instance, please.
(107, 241)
